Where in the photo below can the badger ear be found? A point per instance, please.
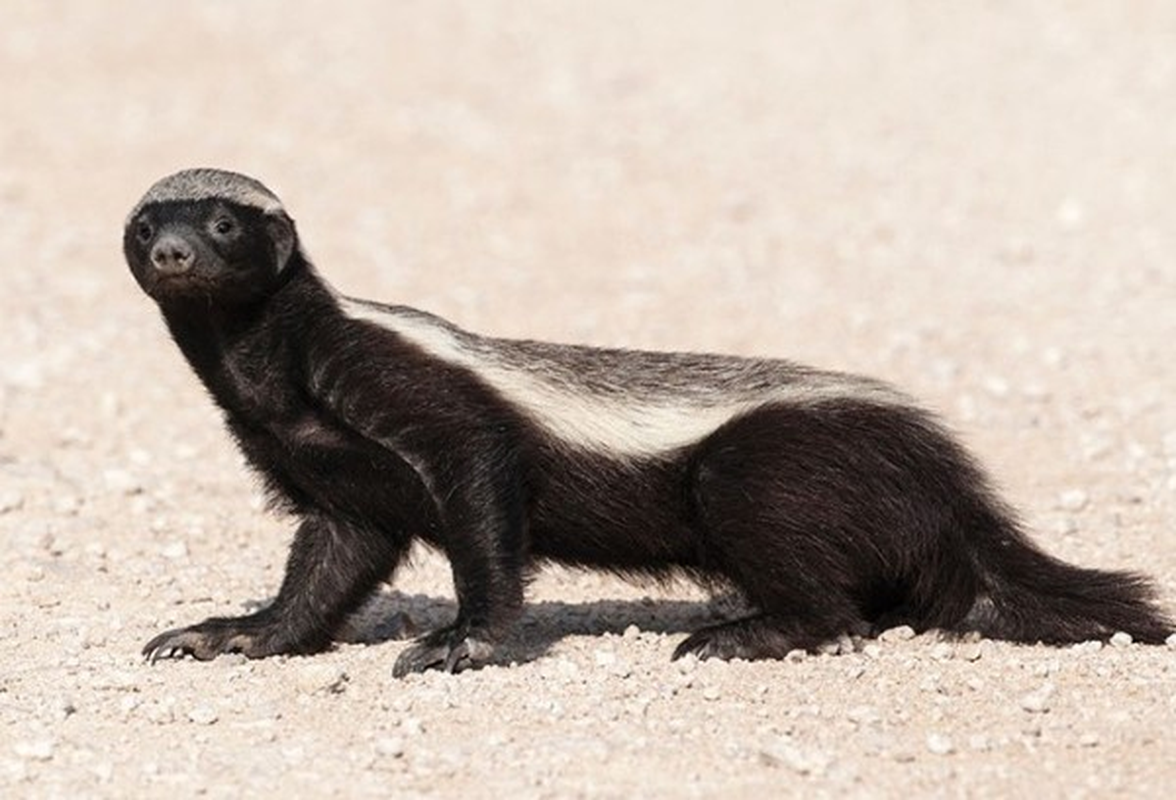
(281, 232)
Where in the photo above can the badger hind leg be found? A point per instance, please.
(786, 512)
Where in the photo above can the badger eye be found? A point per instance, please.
(144, 231)
(224, 226)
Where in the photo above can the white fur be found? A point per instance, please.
(619, 424)
(209, 184)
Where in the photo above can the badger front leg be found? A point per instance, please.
(485, 540)
(332, 568)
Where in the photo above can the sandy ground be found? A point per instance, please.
(975, 201)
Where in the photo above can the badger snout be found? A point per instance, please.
(171, 255)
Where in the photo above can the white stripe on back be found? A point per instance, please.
(613, 423)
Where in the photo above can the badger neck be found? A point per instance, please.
(228, 344)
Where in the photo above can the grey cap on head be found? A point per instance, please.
(210, 184)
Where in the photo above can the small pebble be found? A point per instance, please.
(900, 633)
(843, 645)
(1038, 702)
(971, 651)
(620, 669)
(800, 760)
(979, 742)
(390, 746)
(1046, 668)
(1073, 500)
(1121, 639)
(1171, 641)
(159, 714)
(864, 715)
(174, 550)
(711, 693)
(940, 745)
(10, 501)
(831, 648)
(313, 678)
(1088, 740)
(1053, 356)
(203, 715)
(997, 386)
(67, 505)
(122, 482)
(35, 750)
(942, 651)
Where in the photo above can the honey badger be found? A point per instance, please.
(829, 501)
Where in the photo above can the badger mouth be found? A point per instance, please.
(190, 283)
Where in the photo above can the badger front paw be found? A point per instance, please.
(253, 636)
(451, 649)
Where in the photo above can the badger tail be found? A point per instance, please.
(1034, 597)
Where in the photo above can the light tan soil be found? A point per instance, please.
(976, 201)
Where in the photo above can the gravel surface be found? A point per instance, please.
(976, 201)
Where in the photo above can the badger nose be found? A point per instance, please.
(171, 255)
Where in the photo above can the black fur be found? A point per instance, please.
(832, 509)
